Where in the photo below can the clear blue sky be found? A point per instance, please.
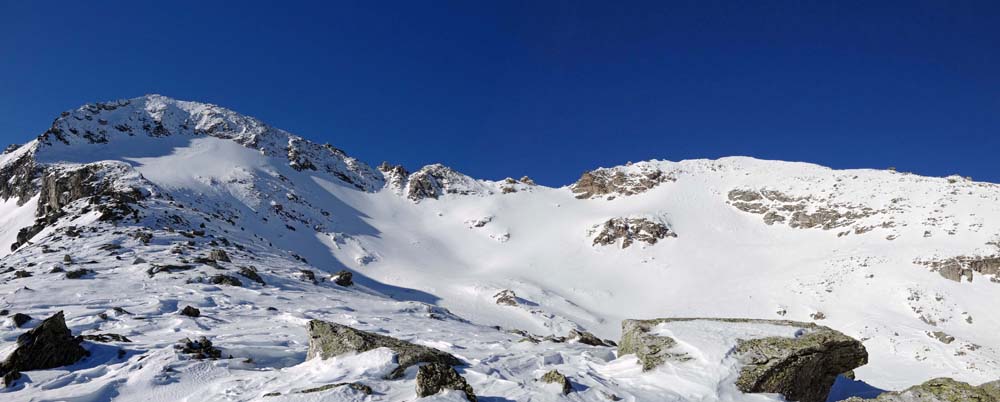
(544, 88)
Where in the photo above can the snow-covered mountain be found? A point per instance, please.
(141, 198)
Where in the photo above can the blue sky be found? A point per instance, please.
(543, 88)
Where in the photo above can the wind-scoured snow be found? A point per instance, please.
(846, 254)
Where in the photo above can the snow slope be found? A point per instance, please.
(851, 249)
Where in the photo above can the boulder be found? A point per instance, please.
(20, 319)
(251, 274)
(224, 280)
(555, 377)
(191, 312)
(200, 348)
(343, 278)
(218, 254)
(49, 345)
(940, 390)
(78, 273)
(585, 338)
(327, 339)
(801, 368)
(436, 377)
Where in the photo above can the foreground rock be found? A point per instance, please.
(436, 377)
(802, 368)
(343, 278)
(327, 339)
(49, 345)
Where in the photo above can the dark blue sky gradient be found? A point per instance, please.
(543, 88)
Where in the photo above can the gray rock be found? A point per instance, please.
(308, 275)
(327, 339)
(802, 368)
(436, 377)
(940, 390)
(49, 345)
(613, 181)
(555, 377)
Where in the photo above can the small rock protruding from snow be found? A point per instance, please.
(343, 278)
(506, 297)
(555, 377)
(436, 377)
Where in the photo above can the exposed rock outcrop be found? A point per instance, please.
(327, 339)
(200, 348)
(623, 180)
(802, 212)
(506, 297)
(631, 230)
(962, 267)
(49, 345)
(433, 181)
(802, 368)
(436, 377)
(357, 386)
(940, 390)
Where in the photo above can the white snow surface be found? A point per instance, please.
(427, 271)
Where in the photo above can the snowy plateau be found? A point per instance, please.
(197, 254)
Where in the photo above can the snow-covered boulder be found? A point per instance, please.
(327, 339)
(796, 359)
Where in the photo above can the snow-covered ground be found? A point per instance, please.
(851, 260)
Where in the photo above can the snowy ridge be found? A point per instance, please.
(900, 261)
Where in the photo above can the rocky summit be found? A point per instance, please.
(154, 249)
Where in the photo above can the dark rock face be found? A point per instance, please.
(191, 312)
(20, 319)
(801, 368)
(613, 182)
(436, 377)
(17, 178)
(940, 390)
(630, 230)
(200, 348)
(343, 278)
(327, 339)
(555, 377)
(49, 345)
(251, 274)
